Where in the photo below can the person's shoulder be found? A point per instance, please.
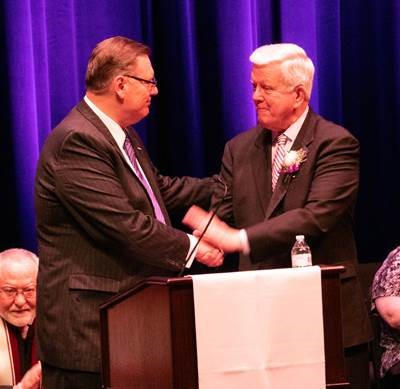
(390, 267)
(394, 256)
(75, 122)
(75, 118)
(328, 128)
(73, 129)
(247, 136)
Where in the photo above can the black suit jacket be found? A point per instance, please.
(317, 202)
(97, 233)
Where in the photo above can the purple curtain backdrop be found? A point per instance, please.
(200, 55)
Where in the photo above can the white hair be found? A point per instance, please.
(18, 255)
(297, 68)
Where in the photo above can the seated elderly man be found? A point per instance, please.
(19, 368)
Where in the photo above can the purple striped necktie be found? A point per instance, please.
(128, 148)
(278, 159)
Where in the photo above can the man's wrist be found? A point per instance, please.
(244, 242)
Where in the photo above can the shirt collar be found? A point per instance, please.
(293, 130)
(115, 129)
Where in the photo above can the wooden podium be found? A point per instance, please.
(148, 337)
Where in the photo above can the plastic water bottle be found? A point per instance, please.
(301, 253)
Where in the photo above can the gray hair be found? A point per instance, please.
(297, 68)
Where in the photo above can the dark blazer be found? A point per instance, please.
(317, 202)
(97, 233)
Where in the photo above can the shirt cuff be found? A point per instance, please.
(244, 242)
(192, 251)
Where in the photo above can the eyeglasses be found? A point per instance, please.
(11, 293)
(151, 83)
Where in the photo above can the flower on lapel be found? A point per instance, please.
(293, 160)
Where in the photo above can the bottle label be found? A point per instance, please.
(300, 260)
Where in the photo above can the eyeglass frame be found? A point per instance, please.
(11, 293)
(153, 82)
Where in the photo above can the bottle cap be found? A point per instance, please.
(299, 237)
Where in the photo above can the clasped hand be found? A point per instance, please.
(209, 255)
(218, 233)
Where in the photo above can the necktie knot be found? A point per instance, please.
(280, 143)
(281, 140)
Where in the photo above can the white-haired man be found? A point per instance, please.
(19, 367)
(294, 173)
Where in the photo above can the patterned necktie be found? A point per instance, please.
(132, 157)
(279, 156)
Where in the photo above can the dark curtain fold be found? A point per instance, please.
(200, 55)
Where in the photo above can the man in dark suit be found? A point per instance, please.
(295, 173)
(102, 217)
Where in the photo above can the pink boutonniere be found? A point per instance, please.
(293, 160)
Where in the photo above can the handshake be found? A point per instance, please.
(216, 236)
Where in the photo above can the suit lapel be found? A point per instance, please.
(98, 124)
(147, 167)
(141, 154)
(303, 139)
(143, 159)
(134, 138)
(261, 162)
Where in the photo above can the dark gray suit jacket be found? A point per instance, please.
(97, 233)
(317, 201)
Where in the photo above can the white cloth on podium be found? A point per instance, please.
(260, 329)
